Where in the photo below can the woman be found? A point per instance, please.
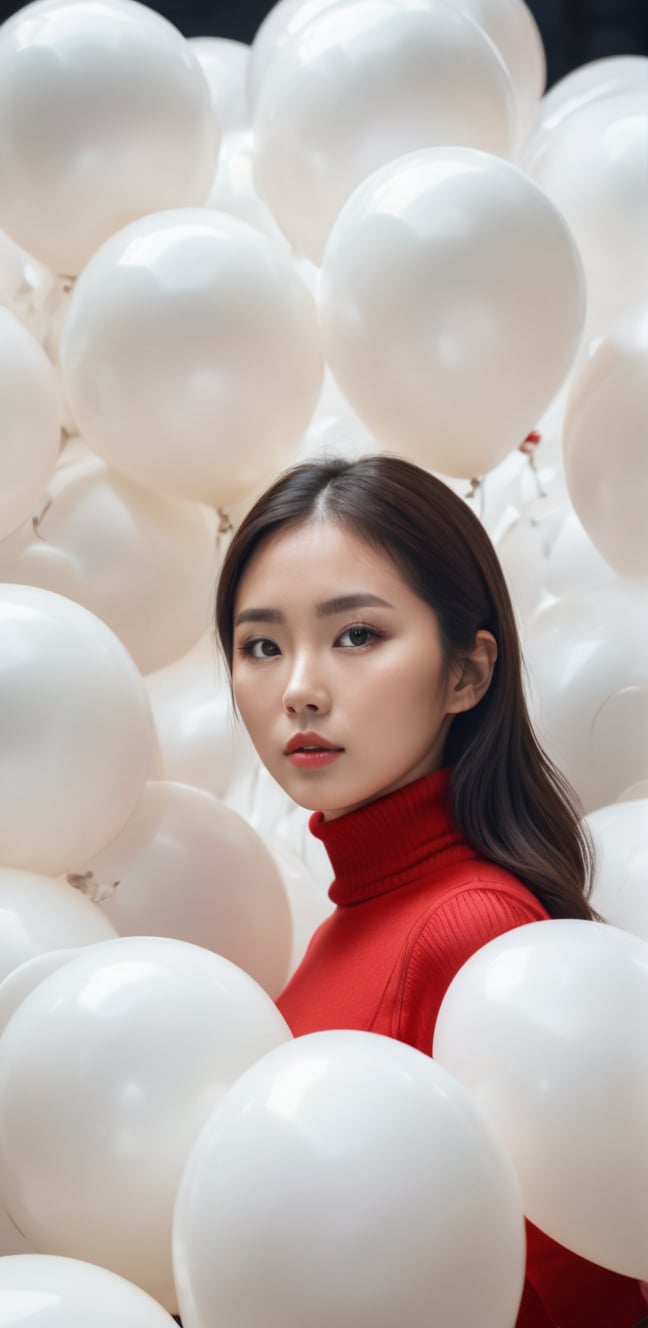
(375, 662)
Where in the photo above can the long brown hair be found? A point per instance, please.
(508, 799)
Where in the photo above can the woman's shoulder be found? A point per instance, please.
(483, 882)
(476, 888)
(486, 902)
(480, 904)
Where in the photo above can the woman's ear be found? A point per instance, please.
(470, 676)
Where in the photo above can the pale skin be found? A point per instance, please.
(386, 699)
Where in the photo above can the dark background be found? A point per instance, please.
(573, 31)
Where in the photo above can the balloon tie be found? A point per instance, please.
(38, 517)
(87, 885)
(530, 443)
(528, 449)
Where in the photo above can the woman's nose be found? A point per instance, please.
(305, 690)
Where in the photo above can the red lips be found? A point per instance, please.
(310, 740)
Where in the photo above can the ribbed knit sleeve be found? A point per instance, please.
(441, 945)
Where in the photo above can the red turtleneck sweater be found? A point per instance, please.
(414, 901)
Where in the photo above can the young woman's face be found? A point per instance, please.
(366, 677)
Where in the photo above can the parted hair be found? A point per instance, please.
(509, 800)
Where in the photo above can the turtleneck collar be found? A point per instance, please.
(384, 845)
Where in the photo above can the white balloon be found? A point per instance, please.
(224, 64)
(12, 1241)
(283, 21)
(75, 461)
(255, 794)
(524, 552)
(188, 867)
(142, 562)
(42, 308)
(589, 82)
(51, 1291)
(105, 116)
(512, 28)
(587, 672)
(335, 430)
(509, 24)
(18, 984)
(290, 1209)
(575, 563)
(546, 553)
(20, 549)
(546, 1028)
(234, 189)
(428, 282)
(28, 289)
(191, 354)
(638, 790)
(259, 799)
(31, 422)
(194, 721)
(12, 270)
(594, 170)
(75, 731)
(309, 905)
(620, 892)
(40, 914)
(108, 1070)
(365, 83)
(291, 836)
(604, 441)
(74, 453)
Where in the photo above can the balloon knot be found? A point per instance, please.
(531, 442)
(37, 518)
(225, 524)
(94, 890)
(475, 484)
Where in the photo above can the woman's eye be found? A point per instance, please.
(359, 635)
(250, 648)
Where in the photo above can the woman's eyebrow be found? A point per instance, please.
(341, 604)
(362, 599)
(259, 615)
